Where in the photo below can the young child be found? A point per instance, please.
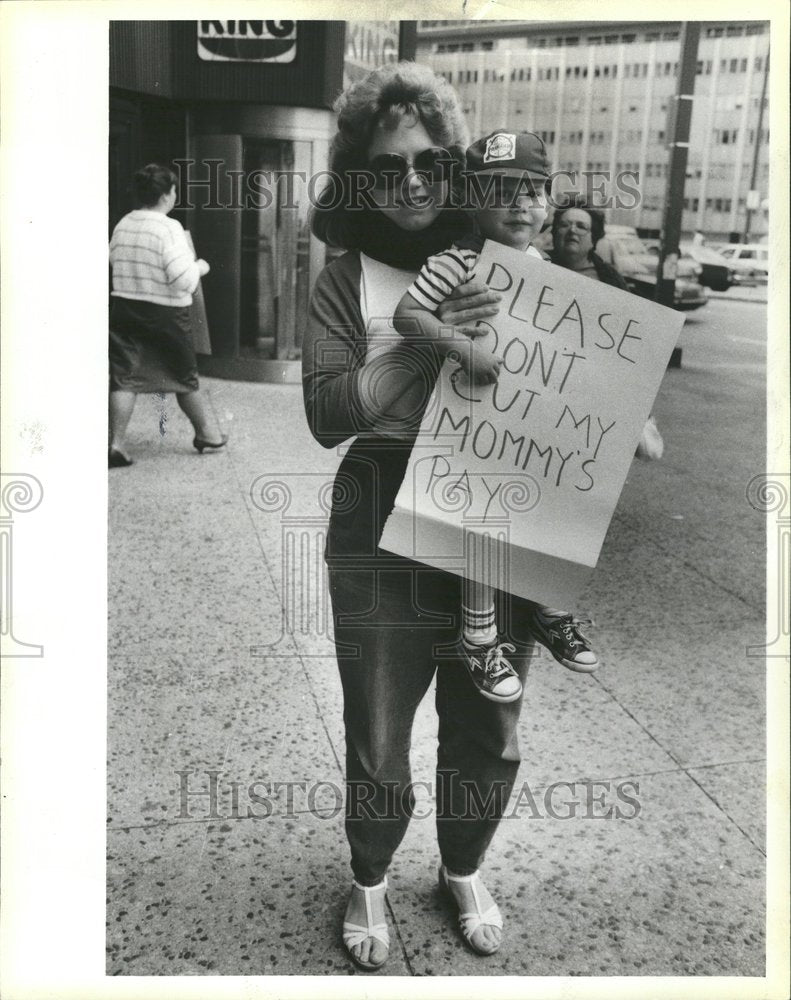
(512, 212)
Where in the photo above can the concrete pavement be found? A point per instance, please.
(209, 692)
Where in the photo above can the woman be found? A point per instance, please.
(154, 276)
(403, 127)
(576, 230)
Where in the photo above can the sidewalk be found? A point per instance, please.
(199, 577)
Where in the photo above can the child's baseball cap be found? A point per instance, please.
(509, 154)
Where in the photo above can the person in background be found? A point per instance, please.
(151, 350)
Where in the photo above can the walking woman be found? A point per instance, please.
(154, 276)
(403, 127)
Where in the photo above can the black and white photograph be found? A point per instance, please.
(430, 615)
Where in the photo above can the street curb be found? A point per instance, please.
(727, 297)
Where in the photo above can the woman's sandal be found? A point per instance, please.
(355, 934)
(470, 922)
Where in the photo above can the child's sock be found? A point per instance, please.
(479, 627)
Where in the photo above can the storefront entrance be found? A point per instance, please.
(275, 250)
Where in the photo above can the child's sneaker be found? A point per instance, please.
(490, 671)
(561, 634)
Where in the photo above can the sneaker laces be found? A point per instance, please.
(493, 664)
(571, 627)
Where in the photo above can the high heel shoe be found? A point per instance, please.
(356, 934)
(470, 922)
(116, 459)
(200, 443)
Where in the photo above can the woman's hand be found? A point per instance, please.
(469, 302)
(203, 267)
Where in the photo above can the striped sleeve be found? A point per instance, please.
(178, 260)
(440, 275)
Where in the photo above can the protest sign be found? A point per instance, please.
(534, 464)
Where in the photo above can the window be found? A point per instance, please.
(734, 66)
(670, 36)
(573, 40)
(755, 29)
(743, 66)
(453, 48)
(714, 32)
(594, 40)
(467, 46)
(487, 46)
(652, 36)
(723, 65)
(699, 67)
(759, 64)
(734, 30)
(576, 72)
(610, 39)
(628, 39)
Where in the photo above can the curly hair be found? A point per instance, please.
(596, 216)
(381, 100)
(151, 182)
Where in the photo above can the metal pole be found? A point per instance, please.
(679, 120)
(754, 173)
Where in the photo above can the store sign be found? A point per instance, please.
(369, 44)
(247, 41)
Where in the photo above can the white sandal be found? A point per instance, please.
(470, 922)
(355, 934)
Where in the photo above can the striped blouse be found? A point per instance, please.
(445, 271)
(152, 260)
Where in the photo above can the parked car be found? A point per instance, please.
(638, 267)
(716, 272)
(749, 261)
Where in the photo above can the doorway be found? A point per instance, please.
(275, 248)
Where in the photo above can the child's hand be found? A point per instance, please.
(481, 366)
(203, 267)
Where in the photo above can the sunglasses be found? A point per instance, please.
(390, 170)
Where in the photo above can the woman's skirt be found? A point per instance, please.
(151, 347)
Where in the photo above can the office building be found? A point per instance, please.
(599, 94)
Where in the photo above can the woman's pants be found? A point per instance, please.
(393, 629)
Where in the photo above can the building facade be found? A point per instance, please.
(242, 110)
(599, 94)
